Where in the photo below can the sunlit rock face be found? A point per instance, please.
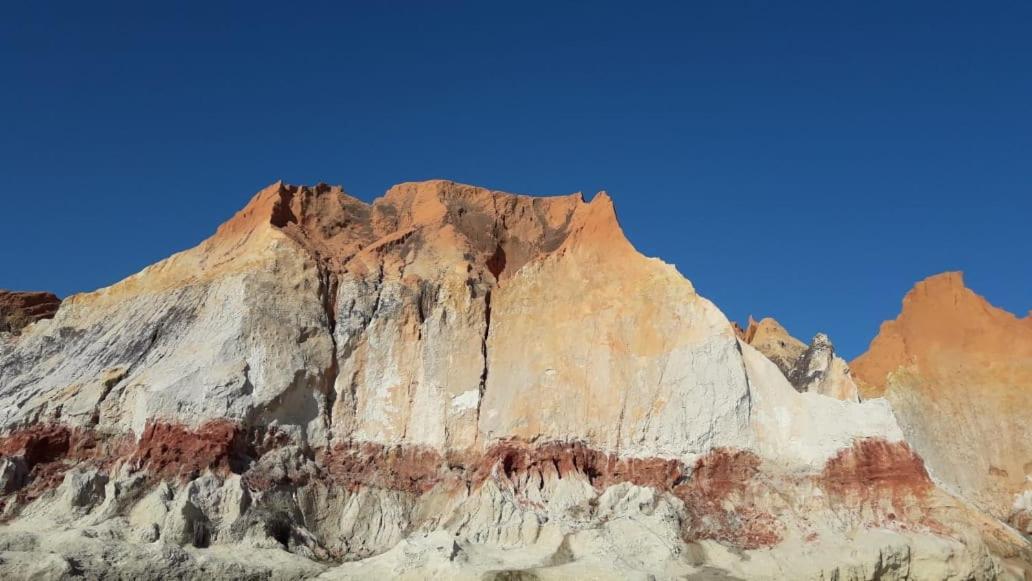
(449, 381)
(958, 373)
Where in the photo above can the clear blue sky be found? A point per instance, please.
(809, 161)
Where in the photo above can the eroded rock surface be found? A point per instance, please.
(447, 382)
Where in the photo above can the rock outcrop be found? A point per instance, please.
(809, 368)
(449, 381)
(20, 309)
(775, 342)
(958, 373)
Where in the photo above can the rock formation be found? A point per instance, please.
(775, 342)
(20, 309)
(958, 373)
(449, 382)
(809, 368)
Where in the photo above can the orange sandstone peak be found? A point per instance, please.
(496, 233)
(773, 340)
(941, 320)
(958, 374)
(495, 226)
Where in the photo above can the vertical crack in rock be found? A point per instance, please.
(329, 285)
(748, 397)
(379, 295)
(483, 373)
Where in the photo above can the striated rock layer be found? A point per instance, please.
(454, 382)
(958, 373)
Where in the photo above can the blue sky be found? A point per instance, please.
(809, 162)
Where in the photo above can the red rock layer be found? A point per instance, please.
(48, 451)
(719, 499)
(873, 465)
(886, 480)
(172, 450)
(717, 482)
(720, 491)
(515, 460)
(412, 470)
(20, 309)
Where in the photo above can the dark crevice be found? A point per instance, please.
(508, 463)
(379, 294)
(483, 344)
(428, 294)
(282, 214)
(496, 263)
(483, 351)
(329, 287)
(201, 535)
(152, 340)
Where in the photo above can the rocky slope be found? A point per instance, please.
(454, 382)
(958, 372)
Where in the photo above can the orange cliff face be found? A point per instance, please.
(496, 231)
(958, 373)
(941, 320)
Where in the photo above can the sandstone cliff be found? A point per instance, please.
(449, 381)
(958, 373)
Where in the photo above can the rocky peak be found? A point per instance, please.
(770, 338)
(814, 367)
(322, 218)
(940, 317)
(820, 370)
(498, 231)
(20, 309)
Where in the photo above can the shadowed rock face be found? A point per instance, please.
(447, 382)
(20, 309)
(958, 373)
